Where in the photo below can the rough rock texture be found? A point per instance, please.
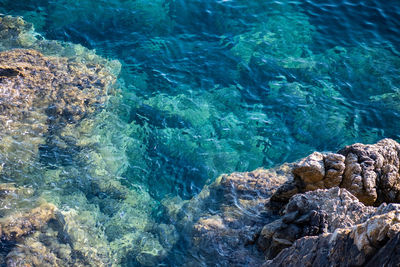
(52, 246)
(47, 93)
(353, 246)
(224, 220)
(39, 94)
(370, 172)
(54, 133)
(45, 88)
(322, 212)
(311, 214)
(22, 214)
(17, 225)
(14, 32)
(56, 87)
(34, 232)
(42, 249)
(13, 198)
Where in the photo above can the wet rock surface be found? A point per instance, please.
(312, 217)
(311, 214)
(224, 220)
(39, 95)
(53, 99)
(328, 209)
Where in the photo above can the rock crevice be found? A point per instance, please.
(369, 172)
(328, 209)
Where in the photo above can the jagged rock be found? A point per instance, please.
(284, 193)
(370, 172)
(311, 169)
(353, 246)
(226, 217)
(311, 214)
(334, 165)
(388, 255)
(341, 209)
(320, 209)
(318, 171)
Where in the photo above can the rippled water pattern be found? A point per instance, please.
(211, 87)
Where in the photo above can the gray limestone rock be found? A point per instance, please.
(372, 243)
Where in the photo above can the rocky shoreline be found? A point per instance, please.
(328, 209)
(242, 220)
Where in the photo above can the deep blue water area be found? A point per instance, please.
(211, 87)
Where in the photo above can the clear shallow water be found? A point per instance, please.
(211, 87)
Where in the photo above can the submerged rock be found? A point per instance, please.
(51, 94)
(223, 221)
(22, 215)
(317, 211)
(39, 94)
(17, 225)
(53, 86)
(45, 87)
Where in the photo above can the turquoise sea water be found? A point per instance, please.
(210, 87)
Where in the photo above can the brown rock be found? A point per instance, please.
(310, 169)
(334, 164)
(17, 225)
(370, 172)
(13, 32)
(38, 93)
(31, 82)
(326, 218)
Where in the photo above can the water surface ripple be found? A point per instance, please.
(210, 87)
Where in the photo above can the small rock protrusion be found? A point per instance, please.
(311, 169)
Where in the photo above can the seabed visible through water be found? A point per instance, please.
(192, 89)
